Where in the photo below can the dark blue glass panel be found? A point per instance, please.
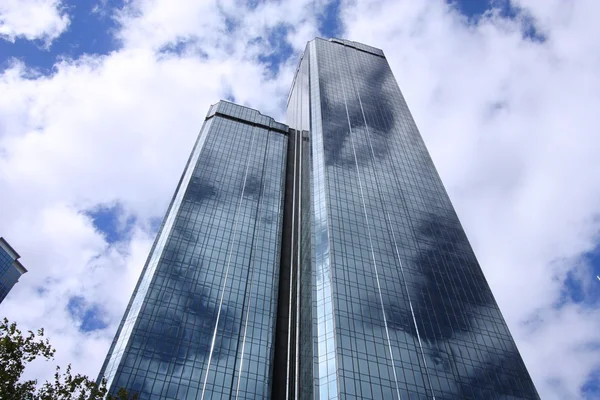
(9, 272)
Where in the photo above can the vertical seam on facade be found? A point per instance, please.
(299, 247)
(276, 275)
(236, 219)
(326, 254)
(369, 231)
(289, 344)
(248, 293)
(395, 245)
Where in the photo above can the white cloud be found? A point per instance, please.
(509, 122)
(32, 19)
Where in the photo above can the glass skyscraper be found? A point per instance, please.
(318, 259)
(202, 317)
(11, 268)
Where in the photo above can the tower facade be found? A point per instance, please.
(201, 321)
(400, 305)
(318, 259)
(11, 268)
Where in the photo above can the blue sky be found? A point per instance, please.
(97, 119)
(91, 31)
(93, 26)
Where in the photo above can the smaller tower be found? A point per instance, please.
(10, 268)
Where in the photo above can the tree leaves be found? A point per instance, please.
(17, 350)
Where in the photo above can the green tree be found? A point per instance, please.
(17, 350)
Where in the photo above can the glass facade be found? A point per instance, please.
(318, 259)
(201, 321)
(10, 268)
(400, 306)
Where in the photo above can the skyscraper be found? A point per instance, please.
(322, 259)
(11, 268)
(201, 320)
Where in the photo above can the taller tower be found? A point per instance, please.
(400, 306)
(322, 259)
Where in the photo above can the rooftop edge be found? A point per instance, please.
(246, 114)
